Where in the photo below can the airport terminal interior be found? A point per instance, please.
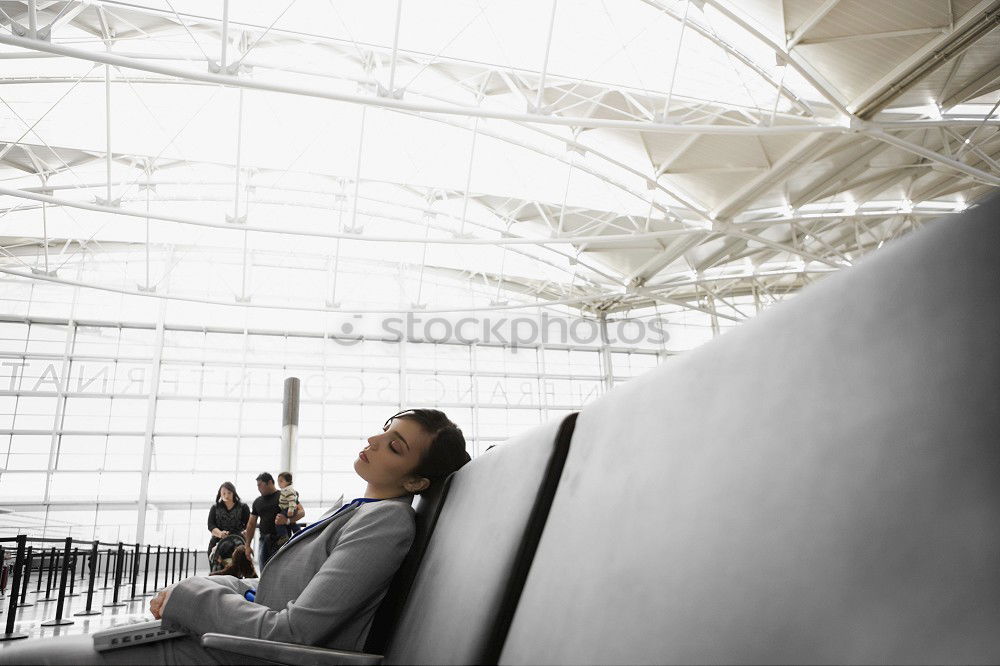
(237, 236)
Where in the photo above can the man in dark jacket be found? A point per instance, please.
(265, 511)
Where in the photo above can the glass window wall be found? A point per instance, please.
(89, 410)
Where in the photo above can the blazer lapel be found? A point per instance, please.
(322, 525)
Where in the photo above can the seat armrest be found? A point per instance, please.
(287, 653)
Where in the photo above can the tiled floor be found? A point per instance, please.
(29, 619)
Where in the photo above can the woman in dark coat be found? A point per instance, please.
(229, 515)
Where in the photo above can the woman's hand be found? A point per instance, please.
(158, 603)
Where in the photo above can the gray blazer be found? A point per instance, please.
(320, 589)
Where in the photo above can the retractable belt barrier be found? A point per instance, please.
(55, 570)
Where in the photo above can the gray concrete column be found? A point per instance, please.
(289, 421)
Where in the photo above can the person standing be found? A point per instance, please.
(266, 512)
(288, 502)
(228, 515)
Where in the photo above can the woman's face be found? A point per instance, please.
(387, 463)
(226, 494)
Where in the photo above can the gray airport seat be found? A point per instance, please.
(821, 485)
(462, 600)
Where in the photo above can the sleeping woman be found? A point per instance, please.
(323, 587)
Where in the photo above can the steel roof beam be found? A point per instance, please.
(213, 24)
(108, 58)
(807, 25)
(733, 51)
(504, 240)
(804, 69)
(822, 186)
(973, 87)
(925, 124)
(889, 34)
(30, 275)
(982, 19)
(750, 190)
(947, 184)
(661, 260)
(934, 156)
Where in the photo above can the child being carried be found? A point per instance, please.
(287, 501)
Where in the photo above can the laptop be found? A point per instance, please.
(135, 633)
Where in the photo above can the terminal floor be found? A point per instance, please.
(29, 619)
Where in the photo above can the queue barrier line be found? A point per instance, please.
(58, 568)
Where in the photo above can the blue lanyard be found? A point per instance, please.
(357, 502)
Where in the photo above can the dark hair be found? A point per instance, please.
(231, 488)
(447, 450)
(287, 476)
(265, 477)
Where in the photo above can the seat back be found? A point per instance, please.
(469, 579)
(386, 617)
(821, 485)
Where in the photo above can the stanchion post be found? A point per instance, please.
(127, 569)
(119, 565)
(145, 573)
(58, 620)
(41, 567)
(90, 584)
(72, 572)
(156, 575)
(50, 577)
(19, 560)
(24, 583)
(107, 569)
(135, 572)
